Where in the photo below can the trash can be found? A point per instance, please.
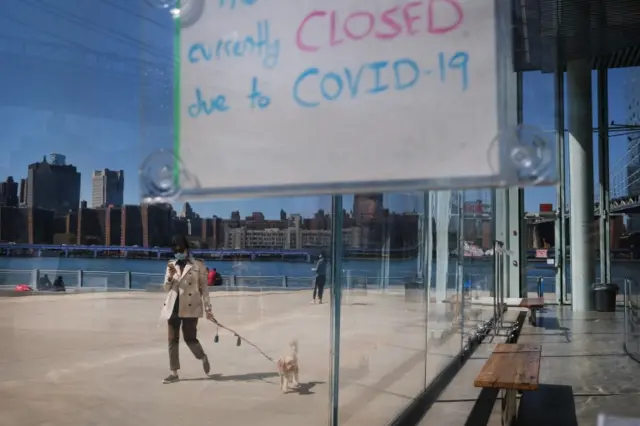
(604, 297)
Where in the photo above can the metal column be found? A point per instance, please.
(460, 263)
(581, 182)
(336, 303)
(429, 201)
(560, 222)
(427, 270)
(516, 243)
(443, 218)
(603, 175)
(500, 232)
(516, 264)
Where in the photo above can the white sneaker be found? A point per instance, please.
(313, 302)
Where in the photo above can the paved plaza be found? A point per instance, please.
(584, 372)
(99, 359)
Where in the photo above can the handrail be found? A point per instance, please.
(128, 280)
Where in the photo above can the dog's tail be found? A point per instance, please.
(294, 346)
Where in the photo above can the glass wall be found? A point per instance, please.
(403, 326)
(412, 293)
(539, 110)
(87, 94)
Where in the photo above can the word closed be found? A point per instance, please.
(412, 19)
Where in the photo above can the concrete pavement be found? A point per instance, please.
(99, 359)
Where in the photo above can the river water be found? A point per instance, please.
(478, 271)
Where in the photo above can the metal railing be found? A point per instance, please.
(353, 279)
(632, 319)
(127, 280)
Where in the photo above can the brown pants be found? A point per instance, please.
(190, 336)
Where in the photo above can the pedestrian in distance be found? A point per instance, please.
(188, 278)
(320, 279)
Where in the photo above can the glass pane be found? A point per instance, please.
(540, 202)
(382, 333)
(624, 164)
(107, 335)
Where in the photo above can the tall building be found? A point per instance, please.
(23, 192)
(187, 212)
(9, 193)
(53, 187)
(58, 159)
(107, 188)
(367, 206)
(26, 225)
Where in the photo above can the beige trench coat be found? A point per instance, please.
(191, 285)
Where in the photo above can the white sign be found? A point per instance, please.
(322, 93)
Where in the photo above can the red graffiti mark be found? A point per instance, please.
(411, 19)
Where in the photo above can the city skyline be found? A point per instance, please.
(107, 189)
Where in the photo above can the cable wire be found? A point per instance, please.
(91, 26)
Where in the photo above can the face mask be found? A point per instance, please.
(181, 256)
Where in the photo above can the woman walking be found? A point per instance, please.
(188, 278)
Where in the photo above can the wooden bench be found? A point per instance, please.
(511, 368)
(533, 304)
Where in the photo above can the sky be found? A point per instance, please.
(92, 80)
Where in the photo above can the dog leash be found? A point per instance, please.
(240, 339)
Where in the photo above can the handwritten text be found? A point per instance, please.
(383, 76)
(260, 44)
(219, 104)
(256, 97)
(202, 106)
(386, 25)
(232, 3)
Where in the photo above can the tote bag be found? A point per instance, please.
(169, 302)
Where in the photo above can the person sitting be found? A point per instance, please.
(213, 277)
(45, 283)
(218, 279)
(58, 284)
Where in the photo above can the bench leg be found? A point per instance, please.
(509, 407)
(532, 317)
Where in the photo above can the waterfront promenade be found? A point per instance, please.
(99, 359)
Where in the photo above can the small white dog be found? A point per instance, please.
(288, 367)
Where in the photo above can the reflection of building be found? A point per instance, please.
(367, 207)
(157, 221)
(57, 159)
(154, 226)
(111, 220)
(26, 225)
(131, 229)
(187, 212)
(53, 187)
(22, 201)
(9, 193)
(107, 188)
(401, 231)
